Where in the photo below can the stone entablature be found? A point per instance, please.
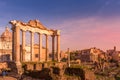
(31, 27)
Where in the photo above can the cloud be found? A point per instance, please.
(89, 32)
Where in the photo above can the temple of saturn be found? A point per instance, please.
(33, 26)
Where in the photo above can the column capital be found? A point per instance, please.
(13, 28)
(23, 30)
(52, 35)
(46, 35)
(57, 32)
(32, 32)
(58, 35)
(40, 33)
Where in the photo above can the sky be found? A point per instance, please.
(83, 23)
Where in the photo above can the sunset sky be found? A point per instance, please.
(83, 23)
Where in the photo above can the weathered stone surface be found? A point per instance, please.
(30, 67)
(38, 66)
(36, 24)
(89, 75)
(27, 78)
(7, 78)
(45, 65)
(3, 65)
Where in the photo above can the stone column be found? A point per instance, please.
(17, 43)
(13, 44)
(23, 46)
(47, 55)
(16, 48)
(58, 48)
(32, 46)
(40, 47)
(53, 47)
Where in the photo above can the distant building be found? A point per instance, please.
(63, 55)
(111, 51)
(27, 53)
(90, 55)
(6, 45)
(114, 54)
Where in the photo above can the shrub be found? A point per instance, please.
(75, 72)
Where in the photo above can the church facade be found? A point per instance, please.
(6, 45)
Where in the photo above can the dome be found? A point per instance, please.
(6, 35)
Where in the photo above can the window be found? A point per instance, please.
(36, 55)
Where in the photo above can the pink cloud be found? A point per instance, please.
(89, 32)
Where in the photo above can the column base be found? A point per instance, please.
(41, 60)
(19, 67)
(58, 60)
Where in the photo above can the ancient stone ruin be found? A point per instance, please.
(33, 26)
